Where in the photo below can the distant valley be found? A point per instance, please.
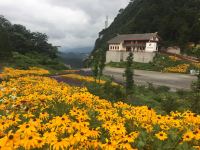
(75, 57)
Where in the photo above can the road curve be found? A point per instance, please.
(173, 80)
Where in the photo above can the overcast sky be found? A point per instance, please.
(68, 23)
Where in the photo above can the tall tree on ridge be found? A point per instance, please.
(129, 74)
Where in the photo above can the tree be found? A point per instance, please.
(177, 22)
(121, 11)
(196, 94)
(17, 39)
(5, 46)
(195, 99)
(169, 103)
(195, 32)
(98, 63)
(95, 69)
(129, 74)
(102, 59)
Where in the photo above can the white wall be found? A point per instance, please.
(121, 48)
(117, 56)
(114, 47)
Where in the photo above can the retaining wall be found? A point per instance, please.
(117, 56)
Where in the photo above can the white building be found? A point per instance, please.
(143, 46)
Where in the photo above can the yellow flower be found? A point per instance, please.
(188, 136)
(78, 118)
(50, 137)
(60, 144)
(174, 58)
(1, 94)
(110, 145)
(196, 147)
(10, 141)
(26, 128)
(28, 115)
(197, 134)
(81, 136)
(94, 133)
(161, 136)
(30, 141)
(179, 69)
(40, 143)
(44, 116)
(197, 65)
(84, 78)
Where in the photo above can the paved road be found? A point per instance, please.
(172, 80)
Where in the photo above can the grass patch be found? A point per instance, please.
(158, 98)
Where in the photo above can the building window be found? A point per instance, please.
(128, 49)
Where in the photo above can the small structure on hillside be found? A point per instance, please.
(174, 50)
(143, 47)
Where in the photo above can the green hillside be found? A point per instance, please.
(21, 48)
(176, 21)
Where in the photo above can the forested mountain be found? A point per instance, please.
(22, 48)
(176, 21)
(74, 59)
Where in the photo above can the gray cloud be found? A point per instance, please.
(68, 23)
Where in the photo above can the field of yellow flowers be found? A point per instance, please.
(37, 112)
(183, 68)
(82, 78)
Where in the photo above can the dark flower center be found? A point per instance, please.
(195, 132)
(126, 141)
(11, 137)
(39, 141)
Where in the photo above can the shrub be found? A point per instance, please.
(169, 103)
